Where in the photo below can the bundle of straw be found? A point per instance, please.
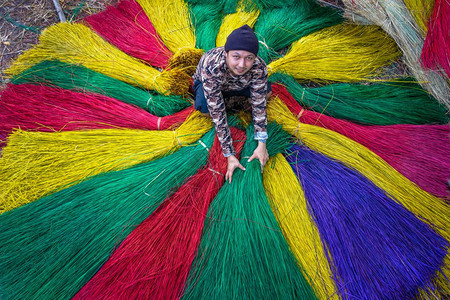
(384, 103)
(165, 244)
(230, 6)
(436, 49)
(52, 247)
(81, 79)
(172, 22)
(272, 4)
(245, 14)
(345, 53)
(377, 248)
(277, 28)
(424, 205)
(207, 18)
(126, 35)
(76, 43)
(243, 253)
(402, 146)
(38, 163)
(421, 10)
(394, 17)
(33, 107)
(134, 12)
(290, 208)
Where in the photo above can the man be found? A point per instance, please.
(224, 73)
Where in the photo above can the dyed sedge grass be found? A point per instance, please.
(382, 103)
(35, 164)
(244, 15)
(290, 208)
(436, 49)
(77, 44)
(82, 79)
(43, 108)
(135, 13)
(427, 207)
(396, 20)
(163, 245)
(243, 253)
(172, 22)
(125, 34)
(376, 247)
(207, 18)
(421, 10)
(346, 53)
(402, 146)
(51, 247)
(277, 28)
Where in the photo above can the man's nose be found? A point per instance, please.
(241, 63)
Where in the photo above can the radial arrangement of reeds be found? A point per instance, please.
(112, 185)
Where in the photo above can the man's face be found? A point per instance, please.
(239, 61)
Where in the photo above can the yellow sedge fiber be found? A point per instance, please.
(243, 15)
(37, 163)
(290, 208)
(347, 53)
(78, 44)
(172, 21)
(427, 207)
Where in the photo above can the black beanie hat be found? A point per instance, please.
(242, 38)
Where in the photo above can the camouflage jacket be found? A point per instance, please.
(213, 73)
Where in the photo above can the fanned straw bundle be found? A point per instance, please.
(172, 22)
(175, 229)
(421, 10)
(290, 208)
(277, 28)
(396, 20)
(207, 18)
(436, 49)
(384, 103)
(52, 247)
(134, 12)
(245, 14)
(81, 79)
(76, 43)
(402, 146)
(346, 53)
(33, 107)
(37, 163)
(273, 3)
(377, 248)
(243, 253)
(424, 205)
(229, 6)
(126, 35)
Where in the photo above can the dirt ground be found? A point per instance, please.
(22, 20)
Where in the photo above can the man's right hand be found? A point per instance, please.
(233, 163)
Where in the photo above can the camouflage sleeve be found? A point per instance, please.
(258, 91)
(212, 86)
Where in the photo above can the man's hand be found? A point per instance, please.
(261, 154)
(233, 163)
